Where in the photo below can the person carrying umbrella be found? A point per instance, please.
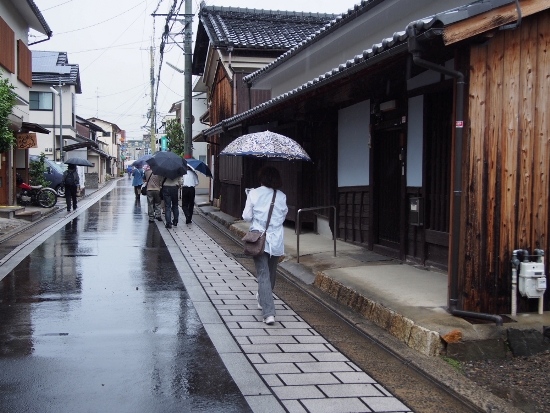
(171, 167)
(71, 181)
(170, 189)
(190, 181)
(154, 184)
(137, 180)
(257, 211)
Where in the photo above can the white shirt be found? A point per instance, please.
(190, 178)
(256, 211)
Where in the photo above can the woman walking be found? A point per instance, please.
(256, 211)
(137, 181)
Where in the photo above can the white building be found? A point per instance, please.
(16, 18)
(52, 102)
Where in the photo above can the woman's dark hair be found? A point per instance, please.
(71, 166)
(270, 177)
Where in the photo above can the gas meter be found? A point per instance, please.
(532, 281)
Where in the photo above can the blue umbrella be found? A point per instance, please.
(199, 166)
(141, 160)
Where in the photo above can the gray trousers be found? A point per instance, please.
(266, 270)
(153, 204)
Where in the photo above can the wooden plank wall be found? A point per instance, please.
(353, 214)
(507, 162)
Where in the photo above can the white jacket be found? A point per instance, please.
(256, 211)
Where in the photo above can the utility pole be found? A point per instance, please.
(188, 94)
(152, 113)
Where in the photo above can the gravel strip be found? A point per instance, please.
(522, 381)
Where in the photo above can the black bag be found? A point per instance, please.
(69, 178)
(162, 189)
(144, 190)
(254, 241)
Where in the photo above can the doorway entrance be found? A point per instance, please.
(387, 202)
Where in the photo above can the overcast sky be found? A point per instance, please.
(110, 41)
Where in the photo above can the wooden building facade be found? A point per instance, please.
(507, 162)
(411, 144)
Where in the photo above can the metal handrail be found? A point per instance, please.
(299, 228)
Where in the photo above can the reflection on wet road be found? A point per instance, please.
(97, 319)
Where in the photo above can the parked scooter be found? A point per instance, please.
(35, 195)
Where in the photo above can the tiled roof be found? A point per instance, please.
(453, 15)
(52, 67)
(388, 47)
(263, 29)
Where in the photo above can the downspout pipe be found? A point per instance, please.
(415, 48)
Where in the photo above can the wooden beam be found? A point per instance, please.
(492, 19)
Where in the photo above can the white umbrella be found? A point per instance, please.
(266, 145)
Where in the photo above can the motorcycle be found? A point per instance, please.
(35, 195)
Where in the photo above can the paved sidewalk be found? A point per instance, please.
(409, 302)
(301, 368)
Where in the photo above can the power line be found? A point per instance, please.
(104, 21)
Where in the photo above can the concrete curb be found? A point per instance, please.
(418, 338)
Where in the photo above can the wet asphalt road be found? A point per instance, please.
(96, 319)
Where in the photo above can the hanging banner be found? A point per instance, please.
(26, 140)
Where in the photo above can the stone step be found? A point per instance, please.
(30, 216)
(9, 211)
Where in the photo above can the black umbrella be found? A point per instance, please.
(78, 161)
(167, 164)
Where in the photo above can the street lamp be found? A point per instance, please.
(60, 94)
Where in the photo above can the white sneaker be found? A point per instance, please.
(269, 320)
(258, 299)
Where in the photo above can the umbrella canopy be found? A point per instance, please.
(167, 164)
(266, 145)
(78, 161)
(141, 160)
(199, 166)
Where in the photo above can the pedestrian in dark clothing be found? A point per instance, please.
(170, 189)
(71, 181)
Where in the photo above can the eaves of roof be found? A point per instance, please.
(33, 16)
(89, 124)
(252, 30)
(389, 47)
(446, 17)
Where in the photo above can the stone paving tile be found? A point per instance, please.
(287, 357)
(330, 357)
(302, 379)
(350, 390)
(336, 405)
(304, 371)
(271, 339)
(329, 366)
(272, 380)
(302, 348)
(261, 348)
(355, 377)
(298, 392)
(294, 406)
(385, 404)
(276, 368)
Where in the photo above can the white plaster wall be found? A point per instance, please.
(352, 39)
(415, 128)
(353, 144)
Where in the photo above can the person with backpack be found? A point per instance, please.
(71, 181)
